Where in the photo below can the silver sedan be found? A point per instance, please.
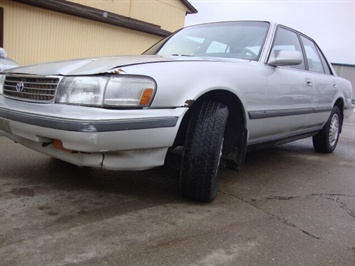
(209, 92)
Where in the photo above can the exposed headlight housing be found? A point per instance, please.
(129, 92)
(107, 91)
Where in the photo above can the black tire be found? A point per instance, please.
(327, 139)
(202, 152)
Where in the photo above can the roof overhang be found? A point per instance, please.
(191, 8)
(86, 12)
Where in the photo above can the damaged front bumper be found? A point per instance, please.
(95, 137)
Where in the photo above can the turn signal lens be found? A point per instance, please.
(146, 95)
(58, 144)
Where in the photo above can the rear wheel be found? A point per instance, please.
(202, 152)
(327, 139)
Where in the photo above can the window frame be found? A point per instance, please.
(328, 70)
(326, 66)
(325, 63)
(316, 53)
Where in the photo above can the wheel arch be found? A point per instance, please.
(235, 133)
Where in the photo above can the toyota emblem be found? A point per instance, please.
(19, 86)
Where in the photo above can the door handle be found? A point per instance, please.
(309, 82)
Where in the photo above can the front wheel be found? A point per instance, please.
(202, 152)
(327, 139)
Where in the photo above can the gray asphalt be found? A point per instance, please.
(288, 206)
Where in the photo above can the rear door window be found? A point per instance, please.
(314, 61)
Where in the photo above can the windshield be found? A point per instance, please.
(242, 40)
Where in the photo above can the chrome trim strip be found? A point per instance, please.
(286, 112)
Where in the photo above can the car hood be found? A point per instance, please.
(7, 63)
(92, 66)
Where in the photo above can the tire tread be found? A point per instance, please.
(200, 161)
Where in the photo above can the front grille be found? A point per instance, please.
(31, 88)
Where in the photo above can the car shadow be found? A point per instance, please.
(159, 185)
(154, 184)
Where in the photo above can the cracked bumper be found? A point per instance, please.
(111, 139)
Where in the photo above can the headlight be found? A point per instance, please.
(2, 80)
(129, 92)
(82, 90)
(112, 92)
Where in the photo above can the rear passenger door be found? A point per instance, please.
(324, 82)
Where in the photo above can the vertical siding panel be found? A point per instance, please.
(33, 35)
(347, 72)
(169, 14)
(120, 7)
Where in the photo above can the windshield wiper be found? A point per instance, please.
(181, 55)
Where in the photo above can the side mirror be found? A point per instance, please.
(286, 58)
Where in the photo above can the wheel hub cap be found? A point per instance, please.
(334, 130)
